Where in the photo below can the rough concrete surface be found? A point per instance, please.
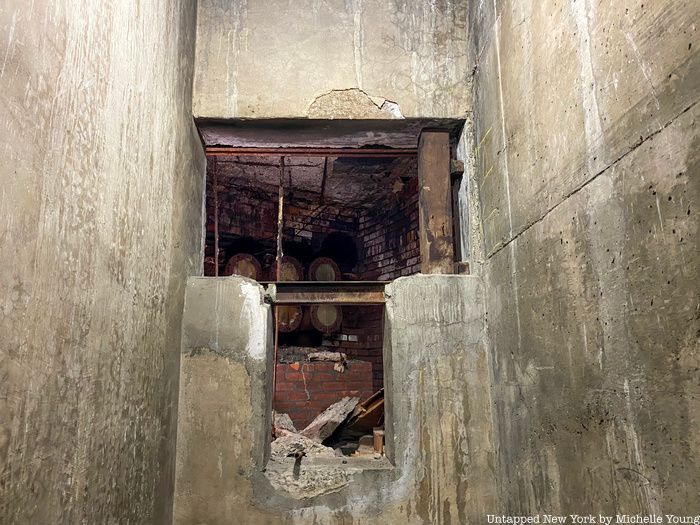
(438, 415)
(101, 222)
(586, 159)
(331, 59)
(581, 188)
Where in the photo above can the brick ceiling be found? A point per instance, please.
(357, 182)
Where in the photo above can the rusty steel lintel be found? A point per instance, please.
(347, 298)
(345, 292)
(311, 152)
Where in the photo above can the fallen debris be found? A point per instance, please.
(290, 444)
(340, 359)
(325, 355)
(281, 421)
(368, 414)
(364, 420)
(328, 420)
(307, 482)
(378, 435)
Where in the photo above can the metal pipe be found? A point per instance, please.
(278, 270)
(280, 219)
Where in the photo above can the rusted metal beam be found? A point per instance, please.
(346, 298)
(311, 152)
(323, 179)
(435, 203)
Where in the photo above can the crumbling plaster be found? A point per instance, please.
(438, 414)
(331, 59)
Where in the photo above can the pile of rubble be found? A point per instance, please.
(289, 442)
(346, 427)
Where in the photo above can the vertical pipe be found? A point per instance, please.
(216, 216)
(280, 231)
(323, 180)
(280, 219)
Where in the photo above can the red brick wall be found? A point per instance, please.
(304, 390)
(360, 337)
(387, 237)
(390, 236)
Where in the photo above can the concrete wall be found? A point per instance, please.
(331, 59)
(438, 412)
(586, 146)
(101, 222)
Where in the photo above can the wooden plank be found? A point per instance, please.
(435, 203)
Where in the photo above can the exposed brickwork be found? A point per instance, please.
(390, 236)
(246, 213)
(304, 390)
(360, 337)
(386, 237)
(386, 234)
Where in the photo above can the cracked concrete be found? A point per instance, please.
(351, 104)
(499, 246)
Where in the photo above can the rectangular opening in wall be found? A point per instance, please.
(324, 214)
(329, 384)
(342, 218)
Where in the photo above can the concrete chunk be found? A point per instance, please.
(290, 444)
(281, 422)
(328, 420)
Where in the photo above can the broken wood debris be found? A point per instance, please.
(346, 425)
(328, 420)
(362, 421)
(368, 414)
(378, 436)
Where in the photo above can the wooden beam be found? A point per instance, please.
(435, 203)
(334, 292)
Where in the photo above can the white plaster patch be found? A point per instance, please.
(253, 313)
(392, 108)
